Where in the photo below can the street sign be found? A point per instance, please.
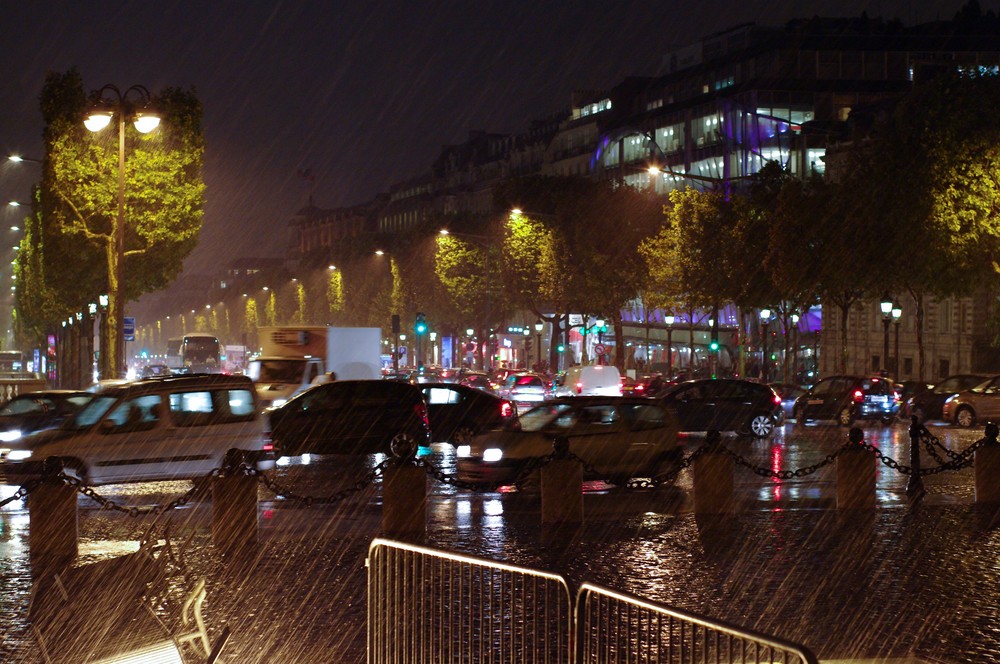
(599, 349)
(128, 327)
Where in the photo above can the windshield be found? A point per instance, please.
(277, 371)
(91, 414)
(957, 384)
(538, 418)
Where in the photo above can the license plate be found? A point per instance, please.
(881, 398)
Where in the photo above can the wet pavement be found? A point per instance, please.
(899, 581)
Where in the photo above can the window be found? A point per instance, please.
(138, 414)
(441, 395)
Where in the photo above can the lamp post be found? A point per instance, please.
(886, 307)
(795, 345)
(765, 320)
(897, 313)
(600, 338)
(539, 326)
(669, 320)
(112, 103)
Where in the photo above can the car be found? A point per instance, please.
(525, 389)
(589, 380)
(169, 428)
(979, 403)
(37, 411)
(618, 438)
(477, 379)
(155, 370)
(350, 417)
(726, 404)
(458, 412)
(845, 399)
(928, 403)
(788, 392)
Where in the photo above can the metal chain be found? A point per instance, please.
(786, 474)
(668, 477)
(22, 492)
(529, 467)
(283, 491)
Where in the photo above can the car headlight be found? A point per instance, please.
(463, 451)
(951, 398)
(8, 436)
(492, 454)
(18, 455)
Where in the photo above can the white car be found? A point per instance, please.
(165, 428)
(618, 437)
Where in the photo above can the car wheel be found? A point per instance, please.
(965, 417)
(845, 417)
(761, 425)
(462, 436)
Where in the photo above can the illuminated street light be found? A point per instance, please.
(886, 307)
(113, 102)
(897, 313)
(765, 363)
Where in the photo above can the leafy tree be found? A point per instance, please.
(78, 205)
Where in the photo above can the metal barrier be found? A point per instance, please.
(426, 605)
(613, 626)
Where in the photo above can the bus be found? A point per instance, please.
(197, 352)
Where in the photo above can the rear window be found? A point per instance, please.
(441, 395)
(528, 381)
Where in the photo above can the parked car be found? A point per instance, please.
(458, 412)
(747, 408)
(174, 427)
(589, 380)
(350, 417)
(928, 403)
(618, 437)
(155, 370)
(845, 399)
(977, 404)
(37, 411)
(788, 393)
(526, 389)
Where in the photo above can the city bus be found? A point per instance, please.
(197, 352)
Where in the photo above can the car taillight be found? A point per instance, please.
(421, 411)
(268, 445)
(639, 388)
(777, 400)
(506, 409)
(859, 396)
(897, 396)
(579, 388)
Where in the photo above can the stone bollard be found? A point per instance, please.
(713, 478)
(404, 494)
(52, 523)
(562, 488)
(234, 509)
(855, 475)
(987, 466)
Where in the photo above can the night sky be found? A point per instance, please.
(362, 93)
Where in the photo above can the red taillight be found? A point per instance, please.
(421, 411)
(897, 397)
(639, 388)
(506, 409)
(268, 445)
(777, 400)
(579, 388)
(859, 396)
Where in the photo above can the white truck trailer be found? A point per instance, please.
(293, 357)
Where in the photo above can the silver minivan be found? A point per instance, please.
(169, 428)
(592, 380)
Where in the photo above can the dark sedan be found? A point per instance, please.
(749, 409)
(459, 412)
(36, 411)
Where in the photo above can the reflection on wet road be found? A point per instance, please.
(892, 581)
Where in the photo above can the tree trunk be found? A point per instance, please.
(619, 360)
(743, 334)
(918, 300)
(691, 341)
(845, 312)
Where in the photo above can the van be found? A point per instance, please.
(599, 380)
(164, 428)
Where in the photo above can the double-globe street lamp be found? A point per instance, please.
(539, 326)
(113, 103)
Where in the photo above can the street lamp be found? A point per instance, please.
(113, 102)
(886, 306)
(669, 320)
(765, 319)
(539, 326)
(897, 313)
(795, 344)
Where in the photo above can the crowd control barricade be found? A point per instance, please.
(426, 605)
(614, 626)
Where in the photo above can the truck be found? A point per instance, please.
(294, 357)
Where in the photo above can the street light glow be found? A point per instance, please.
(146, 122)
(98, 120)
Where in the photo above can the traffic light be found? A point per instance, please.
(421, 325)
(561, 348)
(714, 343)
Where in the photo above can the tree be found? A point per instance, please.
(78, 200)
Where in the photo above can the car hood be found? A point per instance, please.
(33, 441)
